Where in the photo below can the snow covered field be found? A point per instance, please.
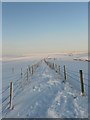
(45, 94)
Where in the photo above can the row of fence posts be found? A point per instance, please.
(30, 69)
(55, 67)
(52, 66)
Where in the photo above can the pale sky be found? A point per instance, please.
(38, 28)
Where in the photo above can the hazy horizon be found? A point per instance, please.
(43, 28)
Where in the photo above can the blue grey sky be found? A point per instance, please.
(0, 29)
(38, 28)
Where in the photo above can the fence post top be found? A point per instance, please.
(80, 70)
(11, 81)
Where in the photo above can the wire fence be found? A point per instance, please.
(74, 75)
(21, 80)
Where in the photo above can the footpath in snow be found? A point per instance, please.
(46, 95)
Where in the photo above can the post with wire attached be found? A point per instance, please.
(11, 94)
(65, 72)
(82, 82)
(53, 65)
(27, 73)
(21, 72)
(56, 67)
(32, 70)
(29, 68)
(59, 69)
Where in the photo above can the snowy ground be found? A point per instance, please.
(46, 94)
(0, 88)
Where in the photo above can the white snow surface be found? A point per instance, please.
(46, 94)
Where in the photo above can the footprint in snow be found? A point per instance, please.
(34, 88)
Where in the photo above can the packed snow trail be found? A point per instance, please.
(47, 96)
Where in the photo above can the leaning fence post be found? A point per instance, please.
(82, 82)
(11, 94)
(64, 72)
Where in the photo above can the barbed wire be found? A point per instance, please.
(13, 76)
(36, 65)
(5, 99)
(73, 72)
(16, 81)
(5, 89)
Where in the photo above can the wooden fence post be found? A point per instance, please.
(27, 73)
(49, 65)
(56, 67)
(29, 68)
(64, 72)
(59, 69)
(21, 72)
(11, 94)
(82, 82)
(13, 70)
(32, 70)
(53, 65)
